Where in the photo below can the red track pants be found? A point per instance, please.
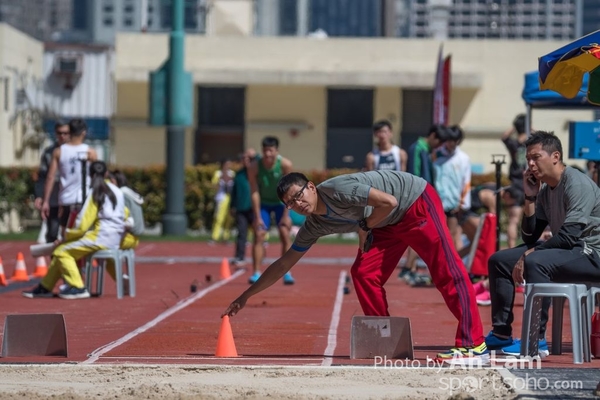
(423, 228)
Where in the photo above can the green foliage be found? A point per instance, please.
(16, 190)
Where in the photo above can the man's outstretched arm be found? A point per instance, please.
(271, 275)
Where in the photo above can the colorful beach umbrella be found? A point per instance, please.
(563, 70)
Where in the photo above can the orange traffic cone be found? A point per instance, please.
(225, 343)
(2, 276)
(41, 269)
(225, 270)
(20, 272)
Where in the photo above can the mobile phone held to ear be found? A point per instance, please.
(531, 179)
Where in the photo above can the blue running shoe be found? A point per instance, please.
(515, 349)
(493, 342)
(254, 277)
(288, 279)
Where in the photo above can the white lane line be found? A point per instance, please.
(241, 359)
(335, 321)
(96, 354)
(144, 248)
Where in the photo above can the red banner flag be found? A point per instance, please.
(441, 90)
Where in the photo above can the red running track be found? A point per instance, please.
(284, 325)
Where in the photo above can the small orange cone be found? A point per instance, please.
(225, 343)
(225, 270)
(41, 269)
(3, 281)
(20, 272)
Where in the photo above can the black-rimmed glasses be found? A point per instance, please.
(295, 198)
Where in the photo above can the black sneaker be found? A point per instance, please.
(72, 293)
(38, 291)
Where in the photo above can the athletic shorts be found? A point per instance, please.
(265, 213)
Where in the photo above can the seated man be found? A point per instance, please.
(569, 202)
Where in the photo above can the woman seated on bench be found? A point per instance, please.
(100, 225)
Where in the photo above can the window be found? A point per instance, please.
(349, 108)
(80, 15)
(53, 18)
(288, 17)
(128, 22)
(108, 22)
(416, 102)
(354, 18)
(190, 15)
(220, 120)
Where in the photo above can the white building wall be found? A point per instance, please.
(20, 68)
(93, 92)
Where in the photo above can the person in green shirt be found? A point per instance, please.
(264, 175)
(420, 163)
(241, 206)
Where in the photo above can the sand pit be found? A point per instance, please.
(74, 382)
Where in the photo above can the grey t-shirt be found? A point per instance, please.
(346, 199)
(576, 199)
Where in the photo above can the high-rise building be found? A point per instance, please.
(465, 19)
(497, 19)
(590, 10)
(349, 18)
(98, 21)
(44, 20)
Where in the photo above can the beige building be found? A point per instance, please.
(21, 94)
(304, 90)
(287, 83)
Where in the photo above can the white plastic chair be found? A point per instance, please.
(117, 255)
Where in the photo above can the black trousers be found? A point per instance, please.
(52, 225)
(243, 220)
(541, 266)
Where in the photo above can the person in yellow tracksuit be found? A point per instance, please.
(100, 225)
(223, 181)
(134, 224)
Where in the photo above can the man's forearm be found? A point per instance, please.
(48, 187)
(256, 204)
(378, 215)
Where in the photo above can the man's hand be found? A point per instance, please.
(38, 203)
(259, 224)
(365, 239)
(45, 211)
(518, 271)
(529, 188)
(235, 306)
